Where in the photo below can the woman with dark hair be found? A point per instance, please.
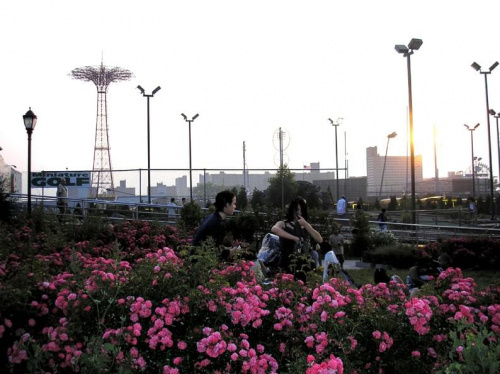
(295, 233)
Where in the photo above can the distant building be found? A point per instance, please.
(254, 181)
(10, 179)
(161, 190)
(123, 190)
(353, 188)
(181, 185)
(397, 174)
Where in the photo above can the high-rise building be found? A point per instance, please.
(396, 174)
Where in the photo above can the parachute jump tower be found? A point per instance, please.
(102, 76)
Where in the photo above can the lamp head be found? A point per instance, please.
(476, 66)
(491, 112)
(141, 89)
(329, 119)
(392, 135)
(156, 90)
(195, 116)
(493, 66)
(29, 120)
(468, 128)
(476, 126)
(401, 48)
(415, 44)
(184, 116)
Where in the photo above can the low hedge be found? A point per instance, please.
(396, 255)
(468, 252)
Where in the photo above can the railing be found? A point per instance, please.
(114, 210)
(443, 225)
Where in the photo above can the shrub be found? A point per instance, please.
(468, 252)
(361, 240)
(382, 238)
(6, 204)
(397, 255)
(134, 303)
(191, 216)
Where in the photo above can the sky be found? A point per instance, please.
(249, 68)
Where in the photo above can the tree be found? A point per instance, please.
(393, 204)
(211, 190)
(283, 185)
(191, 216)
(327, 199)
(6, 203)
(361, 233)
(258, 199)
(242, 199)
(310, 193)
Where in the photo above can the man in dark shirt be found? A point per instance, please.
(212, 226)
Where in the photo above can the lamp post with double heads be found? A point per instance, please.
(149, 148)
(414, 45)
(497, 115)
(477, 67)
(336, 124)
(190, 167)
(389, 137)
(472, 129)
(29, 123)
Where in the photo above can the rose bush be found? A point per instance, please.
(140, 299)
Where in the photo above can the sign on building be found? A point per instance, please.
(49, 179)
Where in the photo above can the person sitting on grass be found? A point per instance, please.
(330, 259)
(381, 276)
(425, 270)
(296, 239)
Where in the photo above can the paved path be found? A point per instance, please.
(352, 264)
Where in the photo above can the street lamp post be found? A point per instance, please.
(497, 115)
(389, 137)
(477, 67)
(336, 124)
(149, 149)
(472, 129)
(190, 165)
(29, 122)
(414, 45)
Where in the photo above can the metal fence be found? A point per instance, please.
(432, 225)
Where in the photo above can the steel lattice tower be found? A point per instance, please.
(102, 76)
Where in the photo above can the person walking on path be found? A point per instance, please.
(172, 209)
(382, 219)
(62, 198)
(342, 208)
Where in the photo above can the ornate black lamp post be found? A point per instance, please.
(30, 123)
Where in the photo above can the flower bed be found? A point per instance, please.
(134, 303)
